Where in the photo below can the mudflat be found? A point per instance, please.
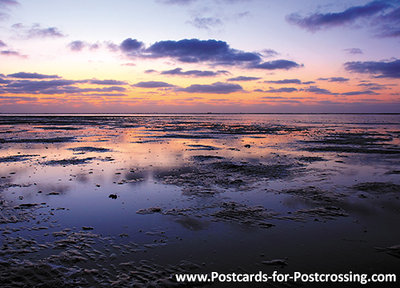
(131, 200)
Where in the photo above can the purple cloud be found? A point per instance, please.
(354, 51)
(317, 90)
(205, 22)
(195, 50)
(335, 79)
(381, 69)
(277, 64)
(25, 75)
(244, 78)
(355, 93)
(281, 90)
(76, 45)
(153, 84)
(106, 82)
(215, 88)
(36, 31)
(318, 21)
(12, 53)
(194, 73)
(130, 45)
(2, 44)
(285, 81)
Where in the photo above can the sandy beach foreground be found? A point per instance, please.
(129, 201)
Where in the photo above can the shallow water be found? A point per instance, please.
(221, 192)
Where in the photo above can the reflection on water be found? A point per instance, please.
(225, 192)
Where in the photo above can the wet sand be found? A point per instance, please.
(128, 201)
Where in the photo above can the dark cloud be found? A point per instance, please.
(206, 22)
(244, 78)
(153, 84)
(318, 21)
(281, 90)
(210, 51)
(25, 75)
(277, 64)
(285, 81)
(34, 87)
(388, 25)
(317, 90)
(2, 44)
(215, 88)
(194, 73)
(79, 45)
(354, 51)
(3, 81)
(12, 53)
(130, 45)
(380, 69)
(270, 53)
(53, 87)
(355, 93)
(106, 82)
(335, 79)
(36, 31)
(76, 45)
(195, 50)
(4, 3)
(373, 86)
(149, 71)
(177, 2)
(187, 2)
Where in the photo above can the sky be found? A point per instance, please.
(196, 56)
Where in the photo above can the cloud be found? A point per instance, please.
(153, 84)
(3, 81)
(34, 87)
(79, 45)
(215, 88)
(36, 31)
(2, 44)
(25, 75)
(355, 93)
(388, 25)
(354, 51)
(206, 22)
(373, 86)
(195, 50)
(269, 53)
(318, 21)
(177, 2)
(285, 81)
(130, 45)
(281, 90)
(53, 87)
(12, 53)
(195, 73)
(214, 52)
(5, 3)
(244, 78)
(106, 82)
(317, 90)
(277, 64)
(335, 79)
(76, 45)
(381, 69)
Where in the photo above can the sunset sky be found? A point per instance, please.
(134, 56)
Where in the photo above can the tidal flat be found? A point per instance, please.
(131, 200)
